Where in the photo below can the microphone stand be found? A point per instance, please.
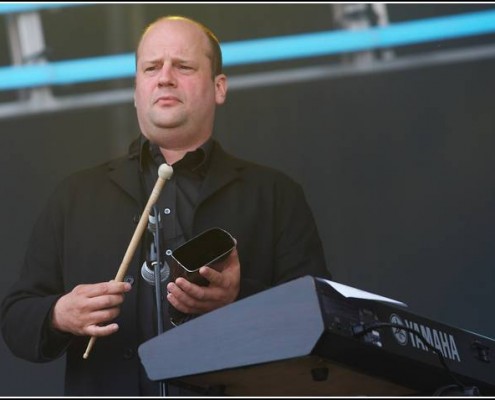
(158, 292)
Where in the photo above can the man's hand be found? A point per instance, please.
(86, 307)
(222, 290)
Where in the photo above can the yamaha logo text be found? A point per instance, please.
(443, 342)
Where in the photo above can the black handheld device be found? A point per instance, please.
(208, 248)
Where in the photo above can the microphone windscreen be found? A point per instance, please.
(148, 274)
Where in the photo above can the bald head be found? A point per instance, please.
(177, 89)
(213, 50)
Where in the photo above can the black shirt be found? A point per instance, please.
(180, 194)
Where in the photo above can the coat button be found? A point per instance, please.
(129, 279)
(128, 353)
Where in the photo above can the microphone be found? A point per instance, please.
(149, 274)
(165, 172)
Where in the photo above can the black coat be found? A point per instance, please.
(83, 233)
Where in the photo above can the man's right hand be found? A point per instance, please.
(86, 309)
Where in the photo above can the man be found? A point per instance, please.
(65, 292)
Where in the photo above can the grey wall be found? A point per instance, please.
(396, 166)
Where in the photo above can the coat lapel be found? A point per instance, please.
(125, 173)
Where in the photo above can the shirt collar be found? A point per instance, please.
(195, 161)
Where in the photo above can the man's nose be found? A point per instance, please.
(167, 76)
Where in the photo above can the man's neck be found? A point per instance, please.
(177, 154)
(175, 145)
(172, 156)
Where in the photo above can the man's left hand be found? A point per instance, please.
(222, 290)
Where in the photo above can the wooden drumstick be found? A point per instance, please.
(165, 171)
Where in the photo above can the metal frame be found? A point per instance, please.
(365, 41)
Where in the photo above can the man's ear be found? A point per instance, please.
(220, 88)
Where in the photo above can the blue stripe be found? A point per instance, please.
(261, 50)
(333, 42)
(12, 8)
(67, 72)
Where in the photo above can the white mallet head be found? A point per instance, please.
(165, 171)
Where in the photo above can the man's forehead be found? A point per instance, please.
(163, 34)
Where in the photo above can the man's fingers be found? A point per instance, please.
(105, 302)
(98, 331)
(103, 316)
(185, 291)
(102, 288)
(190, 306)
(214, 277)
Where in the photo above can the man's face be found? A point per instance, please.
(175, 95)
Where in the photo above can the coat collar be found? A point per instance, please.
(223, 170)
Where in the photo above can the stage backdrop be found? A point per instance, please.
(397, 167)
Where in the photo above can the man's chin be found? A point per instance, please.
(167, 123)
(164, 135)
